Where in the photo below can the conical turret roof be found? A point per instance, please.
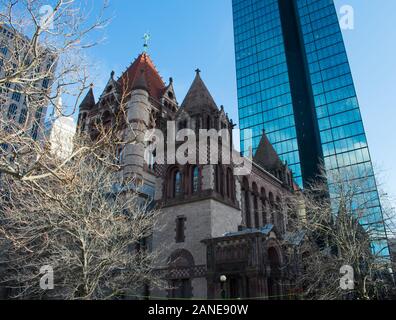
(89, 100)
(266, 155)
(198, 97)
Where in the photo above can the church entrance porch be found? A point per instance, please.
(246, 265)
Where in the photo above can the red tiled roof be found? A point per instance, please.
(155, 83)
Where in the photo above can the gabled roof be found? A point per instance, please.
(89, 100)
(198, 97)
(132, 77)
(112, 86)
(266, 155)
(170, 89)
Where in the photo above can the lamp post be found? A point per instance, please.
(223, 280)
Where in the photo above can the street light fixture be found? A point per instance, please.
(223, 280)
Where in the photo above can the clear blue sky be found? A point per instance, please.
(187, 34)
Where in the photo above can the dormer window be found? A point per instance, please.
(170, 95)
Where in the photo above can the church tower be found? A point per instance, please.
(139, 100)
(211, 222)
(197, 200)
(138, 118)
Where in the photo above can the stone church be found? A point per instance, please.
(220, 235)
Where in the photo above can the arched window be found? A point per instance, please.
(255, 205)
(221, 181)
(263, 195)
(230, 184)
(279, 214)
(247, 202)
(274, 288)
(106, 119)
(272, 207)
(271, 199)
(181, 287)
(264, 209)
(195, 180)
(177, 183)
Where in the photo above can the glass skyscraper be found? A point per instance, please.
(294, 82)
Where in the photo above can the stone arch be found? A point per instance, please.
(180, 286)
(181, 258)
(276, 245)
(263, 194)
(274, 262)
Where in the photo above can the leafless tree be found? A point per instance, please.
(88, 222)
(80, 215)
(44, 56)
(345, 230)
